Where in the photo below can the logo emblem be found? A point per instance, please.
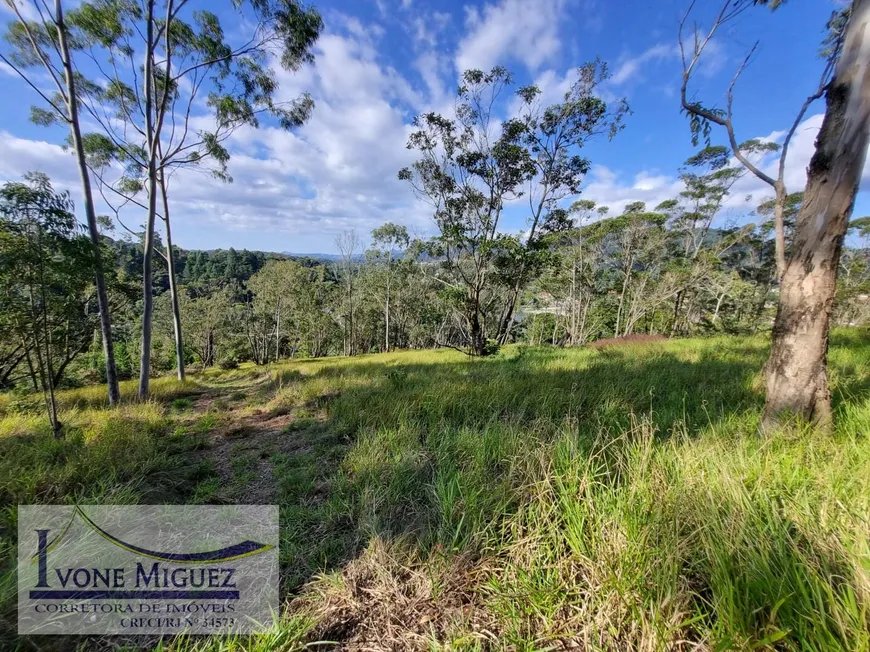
(151, 569)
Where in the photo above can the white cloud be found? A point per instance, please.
(20, 155)
(630, 68)
(606, 187)
(337, 172)
(524, 30)
(425, 28)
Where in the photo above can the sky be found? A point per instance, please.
(379, 63)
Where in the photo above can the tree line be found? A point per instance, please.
(662, 270)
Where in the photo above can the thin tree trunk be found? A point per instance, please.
(148, 253)
(508, 321)
(40, 358)
(32, 371)
(277, 332)
(573, 338)
(719, 301)
(796, 372)
(625, 284)
(387, 316)
(678, 303)
(478, 340)
(90, 213)
(173, 284)
(582, 337)
(48, 371)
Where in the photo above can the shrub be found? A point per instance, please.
(228, 363)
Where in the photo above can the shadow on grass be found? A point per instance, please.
(402, 443)
(424, 452)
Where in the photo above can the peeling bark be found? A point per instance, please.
(796, 372)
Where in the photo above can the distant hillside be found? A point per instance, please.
(322, 257)
(203, 266)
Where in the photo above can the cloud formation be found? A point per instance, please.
(608, 188)
(523, 30)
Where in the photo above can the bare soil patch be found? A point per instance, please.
(626, 340)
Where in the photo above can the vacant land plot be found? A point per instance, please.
(612, 499)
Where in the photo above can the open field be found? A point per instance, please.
(611, 499)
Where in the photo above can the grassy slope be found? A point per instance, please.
(614, 499)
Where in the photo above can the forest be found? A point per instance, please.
(635, 428)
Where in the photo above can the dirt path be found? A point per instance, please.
(242, 439)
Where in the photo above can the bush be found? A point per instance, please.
(490, 348)
(228, 363)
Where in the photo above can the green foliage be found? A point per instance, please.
(469, 174)
(228, 363)
(46, 270)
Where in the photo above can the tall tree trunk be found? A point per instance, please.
(351, 340)
(90, 213)
(508, 321)
(387, 316)
(277, 332)
(678, 303)
(147, 290)
(47, 370)
(173, 284)
(625, 284)
(573, 338)
(148, 253)
(796, 372)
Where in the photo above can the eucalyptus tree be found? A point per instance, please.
(46, 265)
(708, 178)
(554, 137)
(387, 238)
(574, 277)
(155, 63)
(42, 48)
(469, 168)
(796, 372)
(350, 247)
(270, 305)
(637, 240)
(703, 116)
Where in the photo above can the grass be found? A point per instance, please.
(607, 499)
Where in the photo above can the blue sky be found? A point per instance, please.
(380, 62)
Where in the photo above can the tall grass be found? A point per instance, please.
(613, 499)
(620, 499)
(121, 456)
